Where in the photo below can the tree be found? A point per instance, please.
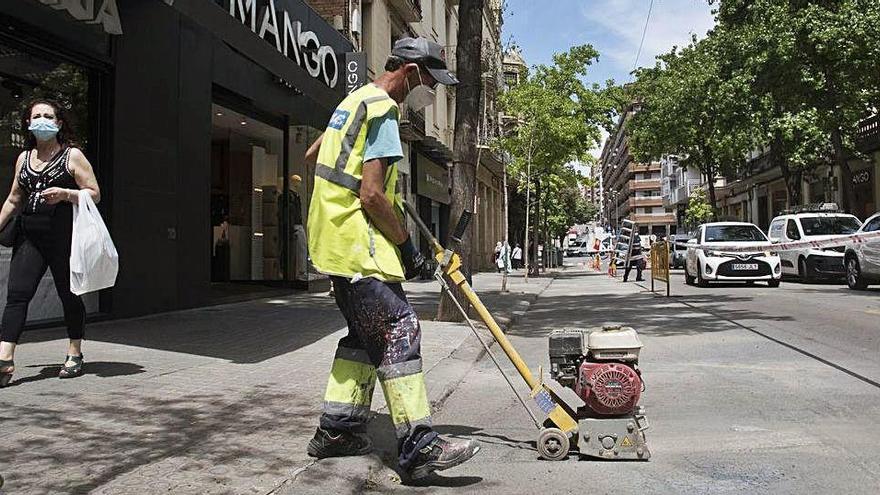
(685, 105)
(813, 67)
(558, 121)
(698, 209)
(468, 56)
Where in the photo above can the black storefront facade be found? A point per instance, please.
(196, 127)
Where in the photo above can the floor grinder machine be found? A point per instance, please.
(590, 403)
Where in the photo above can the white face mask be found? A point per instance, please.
(421, 96)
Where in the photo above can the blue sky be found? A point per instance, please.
(613, 27)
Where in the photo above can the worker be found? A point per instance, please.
(357, 236)
(636, 258)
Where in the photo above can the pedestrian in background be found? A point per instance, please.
(497, 252)
(517, 257)
(357, 236)
(636, 258)
(502, 262)
(48, 177)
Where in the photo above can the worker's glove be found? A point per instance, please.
(412, 259)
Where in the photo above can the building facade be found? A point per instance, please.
(196, 116)
(759, 192)
(428, 134)
(629, 189)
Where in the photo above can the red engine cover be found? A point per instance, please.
(608, 388)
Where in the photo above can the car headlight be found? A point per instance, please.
(714, 254)
(769, 253)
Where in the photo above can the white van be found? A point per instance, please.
(813, 223)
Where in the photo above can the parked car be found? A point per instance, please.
(813, 224)
(706, 259)
(576, 248)
(862, 259)
(678, 252)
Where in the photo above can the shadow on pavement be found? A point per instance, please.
(102, 369)
(150, 441)
(247, 332)
(650, 314)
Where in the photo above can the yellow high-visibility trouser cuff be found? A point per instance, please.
(350, 389)
(407, 401)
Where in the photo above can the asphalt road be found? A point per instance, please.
(749, 390)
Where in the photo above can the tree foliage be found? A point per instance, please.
(698, 209)
(792, 77)
(557, 122)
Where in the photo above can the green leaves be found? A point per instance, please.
(698, 209)
(557, 121)
(788, 74)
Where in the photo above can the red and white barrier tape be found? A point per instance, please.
(790, 246)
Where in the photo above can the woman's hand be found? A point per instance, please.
(55, 195)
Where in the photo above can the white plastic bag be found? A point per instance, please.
(94, 261)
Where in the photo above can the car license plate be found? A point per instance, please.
(745, 266)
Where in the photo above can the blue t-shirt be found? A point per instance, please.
(383, 139)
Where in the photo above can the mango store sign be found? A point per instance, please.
(102, 12)
(289, 38)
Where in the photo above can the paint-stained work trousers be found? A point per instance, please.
(383, 341)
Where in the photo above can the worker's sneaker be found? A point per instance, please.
(338, 444)
(442, 454)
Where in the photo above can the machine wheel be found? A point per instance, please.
(553, 444)
(688, 280)
(854, 278)
(774, 282)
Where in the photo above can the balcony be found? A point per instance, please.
(868, 135)
(409, 10)
(654, 218)
(412, 126)
(644, 184)
(651, 201)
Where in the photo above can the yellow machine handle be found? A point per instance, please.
(450, 264)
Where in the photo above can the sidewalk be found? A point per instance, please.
(213, 400)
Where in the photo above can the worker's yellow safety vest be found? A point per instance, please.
(342, 241)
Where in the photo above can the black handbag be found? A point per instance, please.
(9, 232)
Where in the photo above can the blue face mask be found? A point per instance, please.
(43, 129)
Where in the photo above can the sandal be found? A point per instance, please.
(72, 371)
(6, 376)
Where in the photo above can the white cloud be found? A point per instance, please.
(672, 23)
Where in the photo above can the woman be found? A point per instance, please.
(48, 177)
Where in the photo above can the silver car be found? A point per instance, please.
(862, 259)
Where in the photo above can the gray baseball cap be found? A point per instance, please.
(428, 54)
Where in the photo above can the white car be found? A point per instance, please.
(863, 258)
(710, 261)
(809, 263)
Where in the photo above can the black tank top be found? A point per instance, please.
(56, 174)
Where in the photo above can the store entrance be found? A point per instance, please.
(247, 181)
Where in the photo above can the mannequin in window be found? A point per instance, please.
(297, 232)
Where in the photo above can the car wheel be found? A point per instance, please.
(687, 276)
(773, 282)
(854, 278)
(803, 273)
(701, 282)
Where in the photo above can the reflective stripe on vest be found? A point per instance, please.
(337, 174)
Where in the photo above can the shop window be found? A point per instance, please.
(247, 178)
(25, 76)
